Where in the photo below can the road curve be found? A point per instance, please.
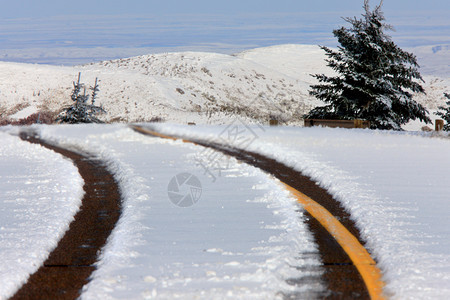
(70, 264)
(350, 272)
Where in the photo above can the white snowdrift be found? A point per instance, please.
(393, 185)
(39, 194)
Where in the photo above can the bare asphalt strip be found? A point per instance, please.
(70, 264)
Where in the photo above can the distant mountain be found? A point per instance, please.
(434, 60)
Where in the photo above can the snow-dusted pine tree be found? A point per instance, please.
(81, 111)
(375, 78)
(445, 113)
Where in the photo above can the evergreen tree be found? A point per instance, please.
(81, 111)
(375, 78)
(445, 114)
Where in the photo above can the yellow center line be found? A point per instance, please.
(157, 134)
(154, 133)
(357, 253)
(362, 260)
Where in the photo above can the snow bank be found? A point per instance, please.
(392, 183)
(40, 192)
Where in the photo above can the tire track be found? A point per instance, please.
(341, 277)
(70, 264)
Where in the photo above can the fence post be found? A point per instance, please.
(439, 125)
(273, 122)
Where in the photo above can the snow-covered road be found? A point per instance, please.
(243, 237)
(393, 184)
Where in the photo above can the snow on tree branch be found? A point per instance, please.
(376, 79)
(81, 111)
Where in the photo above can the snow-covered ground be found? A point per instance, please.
(200, 87)
(39, 194)
(394, 185)
(242, 240)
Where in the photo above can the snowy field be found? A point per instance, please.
(243, 236)
(392, 183)
(205, 88)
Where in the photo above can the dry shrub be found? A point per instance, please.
(156, 120)
(44, 117)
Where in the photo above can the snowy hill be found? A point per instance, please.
(210, 88)
(204, 87)
(296, 61)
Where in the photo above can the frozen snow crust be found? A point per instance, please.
(40, 192)
(393, 184)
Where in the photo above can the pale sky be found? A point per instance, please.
(33, 8)
(76, 31)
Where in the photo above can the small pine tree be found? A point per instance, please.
(81, 111)
(375, 79)
(445, 113)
